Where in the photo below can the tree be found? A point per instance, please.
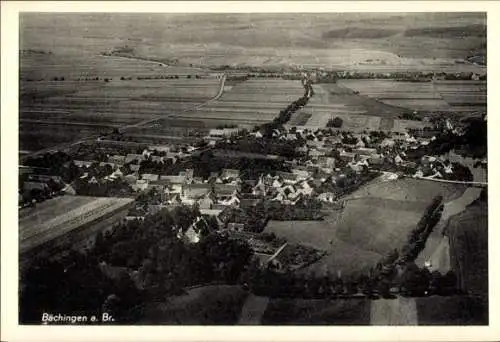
(415, 281)
(336, 122)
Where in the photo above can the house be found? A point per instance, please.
(116, 174)
(398, 159)
(277, 183)
(301, 173)
(387, 143)
(234, 201)
(134, 158)
(29, 186)
(360, 143)
(140, 184)
(419, 173)
(280, 197)
(174, 199)
(347, 156)
(230, 173)
(426, 160)
(130, 179)
(195, 191)
(150, 177)
(301, 149)
(160, 148)
(193, 233)
(305, 188)
(117, 159)
(259, 135)
(316, 153)
(84, 163)
(45, 178)
(260, 189)
(207, 201)
(173, 189)
(247, 202)
(327, 162)
(210, 212)
(157, 159)
(288, 177)
(365, 151)
(136, 213)
(222, 190)
(376, 159)
(189, 174)
(159, 184)
(174, 179)
(287, 189)
(101, 164)
(328, 197)
(356, 167)
(224, 132)
(437, 174)
(238, 227)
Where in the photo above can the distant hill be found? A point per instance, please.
(320, 39)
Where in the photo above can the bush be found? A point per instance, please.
(336, 122)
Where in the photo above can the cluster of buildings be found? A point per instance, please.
(325, 160)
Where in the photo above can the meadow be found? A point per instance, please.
(390, 210)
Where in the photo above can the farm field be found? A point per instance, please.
(438, 96)
(317, 312)
(37, 136)
(74, 67)
(468, 235)
(454, 310)
(213, 304)
(249, 103)
(58, 216)
(50, 109)
(358, 112)
(355, 245)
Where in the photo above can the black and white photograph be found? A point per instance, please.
(253, 169)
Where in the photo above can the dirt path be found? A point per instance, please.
(253, 309)
(400, 311)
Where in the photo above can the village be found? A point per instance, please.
(327, 165)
